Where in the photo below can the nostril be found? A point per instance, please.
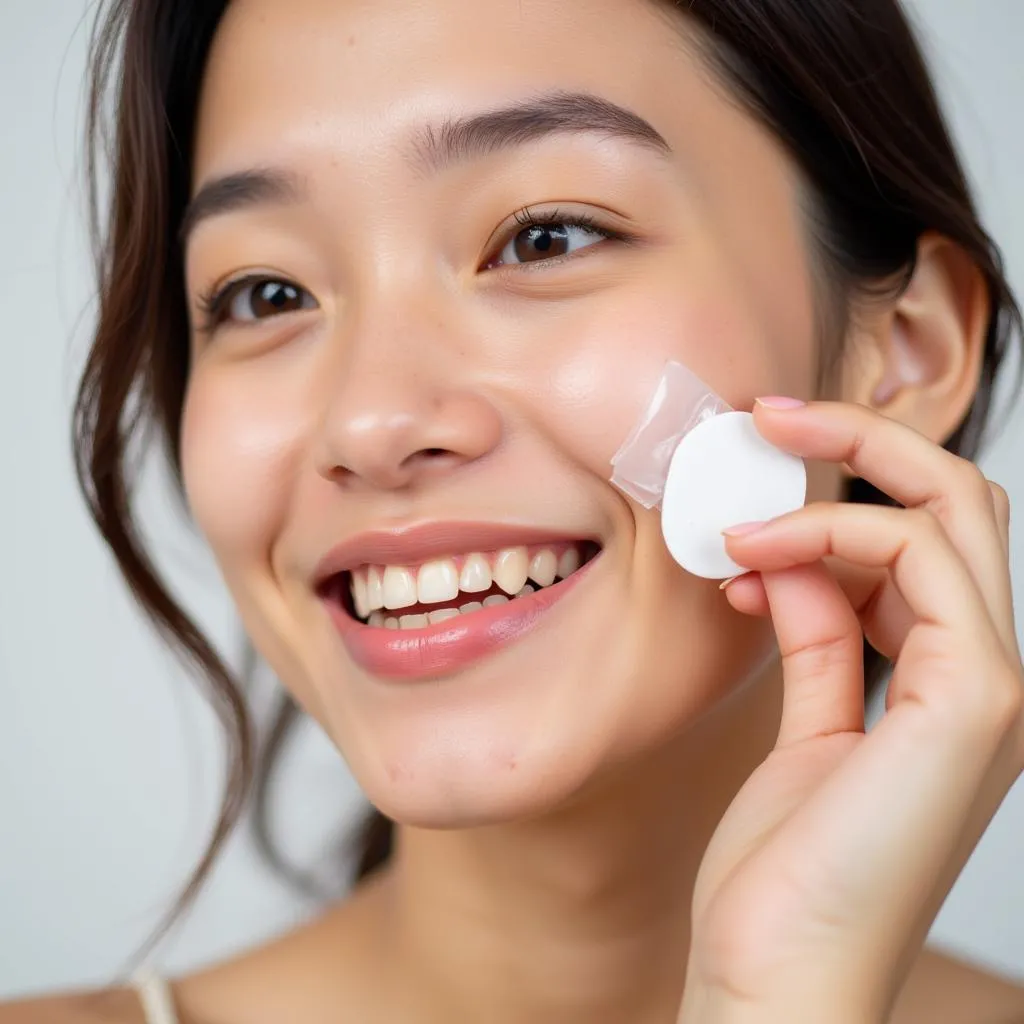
(429, 459)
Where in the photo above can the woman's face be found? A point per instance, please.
(427, 381)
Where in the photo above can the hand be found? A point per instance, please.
(819, 886)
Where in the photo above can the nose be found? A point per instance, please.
(402, 413)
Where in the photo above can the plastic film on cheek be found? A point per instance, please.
(680, 402)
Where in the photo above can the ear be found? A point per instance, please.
(919, 359)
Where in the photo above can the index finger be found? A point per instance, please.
(914, 471)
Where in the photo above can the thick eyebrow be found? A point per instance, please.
(238, 191)
(556, 113)
(433, 149)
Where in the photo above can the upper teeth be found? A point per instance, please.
(441, 580)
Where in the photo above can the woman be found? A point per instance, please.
(395, 280)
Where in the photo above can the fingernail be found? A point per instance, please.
(731, 579)
(743, 529)
(780, 402)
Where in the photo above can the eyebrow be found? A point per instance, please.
(557, 113)
(434, 149)
(239, 191)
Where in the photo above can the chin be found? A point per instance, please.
(483, 783)
(438, 806)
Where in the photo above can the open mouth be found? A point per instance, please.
(404, 597)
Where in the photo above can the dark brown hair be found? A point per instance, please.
(841, 83)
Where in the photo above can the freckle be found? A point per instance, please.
(351, 40)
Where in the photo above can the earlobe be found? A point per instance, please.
(929, 344)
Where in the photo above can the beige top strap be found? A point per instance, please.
(155, 995)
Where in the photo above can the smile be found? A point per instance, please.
(408, 615)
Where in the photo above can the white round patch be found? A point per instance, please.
(724, 473)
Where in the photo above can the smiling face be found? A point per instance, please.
(467, 237)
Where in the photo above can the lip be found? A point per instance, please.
(413, 545)
(450, 646)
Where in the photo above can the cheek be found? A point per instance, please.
(596, 390)
(237, 456)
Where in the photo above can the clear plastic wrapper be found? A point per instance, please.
(680, 402)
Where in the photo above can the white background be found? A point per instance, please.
(110, 766)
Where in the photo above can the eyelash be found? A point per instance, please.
(214, 303)
(527, 219)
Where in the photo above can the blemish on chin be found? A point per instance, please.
(397, 773)
(503, 760)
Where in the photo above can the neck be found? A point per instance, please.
(581, 914)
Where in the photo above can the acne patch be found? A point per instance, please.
(706, 467)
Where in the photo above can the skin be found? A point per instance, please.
(552, 823)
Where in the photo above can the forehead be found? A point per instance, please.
(287, 76)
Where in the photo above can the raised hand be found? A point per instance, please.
(818, 888)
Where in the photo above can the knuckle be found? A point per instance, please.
(992, 707)
(822, 659)
(856, 447)
(999, 495)
(1000, 696)
(1006, 705)
(972, 484)
(1000, 499)
(924, 523)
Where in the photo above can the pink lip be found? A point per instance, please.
(416, 544)
(446, 648)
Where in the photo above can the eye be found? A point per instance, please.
(550, 237)
(252, 298)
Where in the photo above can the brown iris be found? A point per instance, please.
(270, 297)
(541, 242)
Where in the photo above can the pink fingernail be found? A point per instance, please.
(743, 529)
(780, 402)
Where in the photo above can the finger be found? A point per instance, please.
(911, 544)
(912, 470)
(1001, 505)
(928, 574)
(885, 617)
(820, 643)
(746, 594)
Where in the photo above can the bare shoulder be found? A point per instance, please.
(275, 983)
(943, 989)
(107, 1006)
